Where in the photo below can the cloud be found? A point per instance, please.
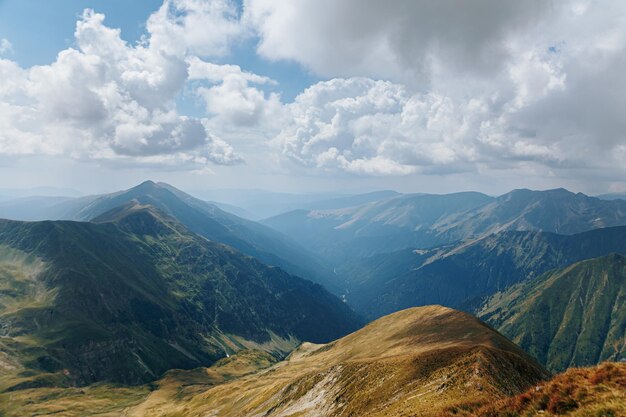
(198, 27)
(238, 104)
(107, 99)
(216, 73)
(554, 99)
(370, 127)
(403, 40)
(5, 46)
(409, 87)
(231, 97)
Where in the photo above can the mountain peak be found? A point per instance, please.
(128, 209)
(538, 193)
(432, 325)
(146, 185)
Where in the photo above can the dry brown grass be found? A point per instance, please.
(598, 391)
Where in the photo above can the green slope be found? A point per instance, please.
(575, 316)
(139, 294)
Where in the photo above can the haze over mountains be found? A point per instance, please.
(462, 275)
(125, 287)
(423, 221)
(454, 249)
(260, 204)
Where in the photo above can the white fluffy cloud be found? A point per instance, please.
(409, 87)
(377, 128)
(107, 99)
(200, 27)
(401, 39)
(231, 97)
(370, 127)
(500, 85)
(216, 73)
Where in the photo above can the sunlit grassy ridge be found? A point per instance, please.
(598, 391)
(19, 287)
(414, 362)
(427, 361)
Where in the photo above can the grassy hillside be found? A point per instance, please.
(598, 391)
(129, 299)
(414, 362)
(420, 362)
(574, 316)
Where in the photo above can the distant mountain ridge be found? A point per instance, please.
(381, 226)
(137, 294)
(452, 249)
(612, 196)
(423, 221)
(208, 221)
(261, 204)
(557, 211)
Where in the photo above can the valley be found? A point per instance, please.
(150, 302)
(312, 208)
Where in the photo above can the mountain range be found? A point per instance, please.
(200, 217)
(427, 220)
(149, 301)
(134, 293)
(479, 248)
(461, 275)
(381, 226)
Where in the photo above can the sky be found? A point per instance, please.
(314, 95)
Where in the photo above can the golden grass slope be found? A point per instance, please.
(416, 362)
(598, 391)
